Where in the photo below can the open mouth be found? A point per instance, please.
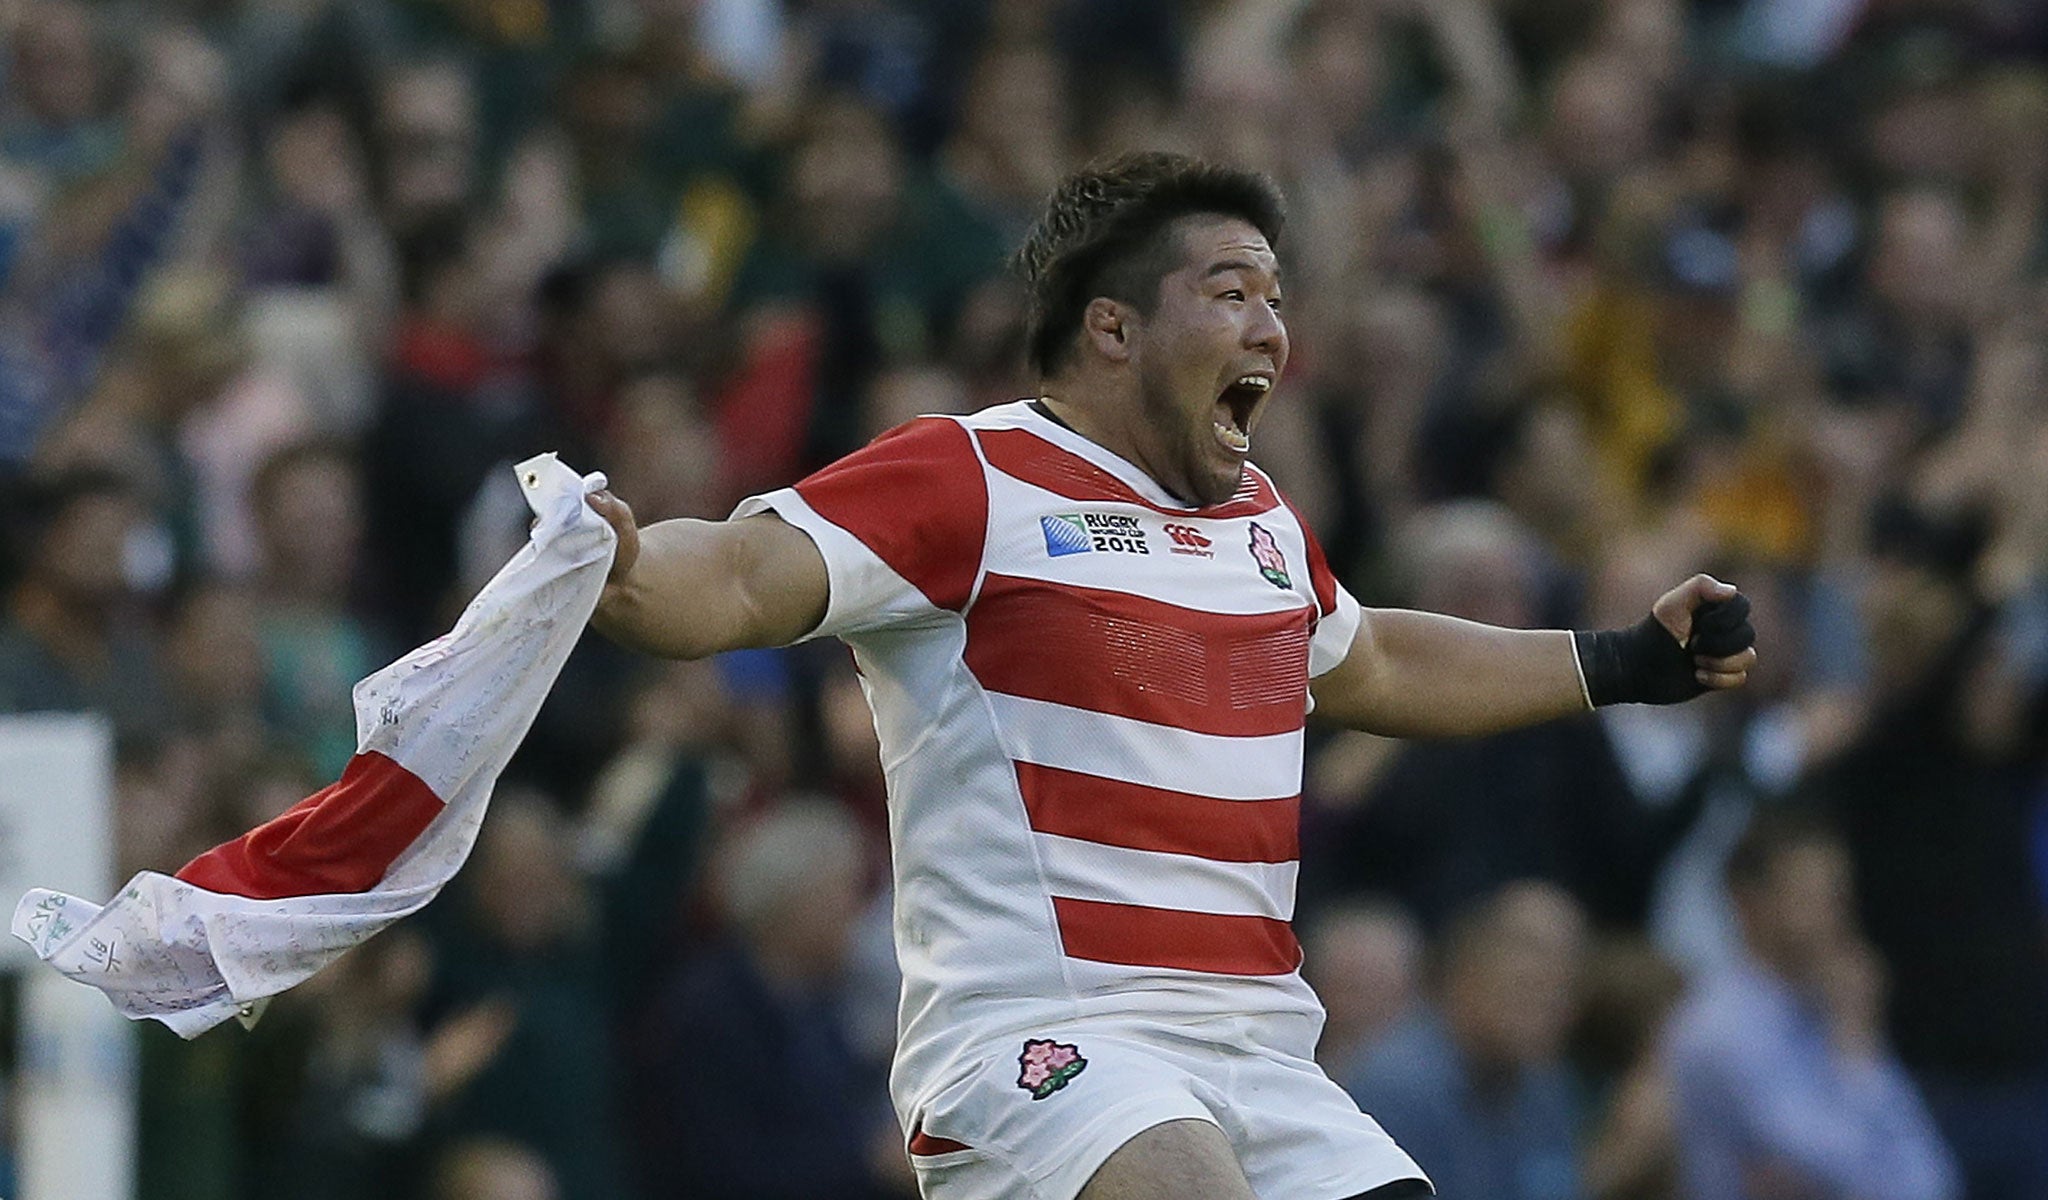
(1234, 408)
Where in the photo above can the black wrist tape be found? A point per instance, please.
(1721, 628)
(1644, 664)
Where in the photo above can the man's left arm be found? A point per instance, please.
(1416, 674)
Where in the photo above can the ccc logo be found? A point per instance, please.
(1187, 535)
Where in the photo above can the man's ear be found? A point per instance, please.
(1107, 325)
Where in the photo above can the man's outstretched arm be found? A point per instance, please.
(690, 589)
(1415, 674)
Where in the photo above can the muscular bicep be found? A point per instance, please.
(1343, 694)
(702, 587)
(1418, 674)
(783, 580)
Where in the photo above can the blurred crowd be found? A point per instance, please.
(1585, 295)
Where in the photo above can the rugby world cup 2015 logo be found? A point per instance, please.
(1065, 535)
(1048, 1066)
(1087, 532)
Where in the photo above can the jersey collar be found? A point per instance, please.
(1039, 419)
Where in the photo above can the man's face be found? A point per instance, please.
(85, 549)
(1804, 906)
(54, 62)
(1511, 996)
(1207, 357)
(313, 527)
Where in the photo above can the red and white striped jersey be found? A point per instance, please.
(1090, 700)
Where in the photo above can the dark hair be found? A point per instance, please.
(1103, 233)
(30, 506)
(1771, 833)
(43, 500)
(1944, 544)
(1487, 923)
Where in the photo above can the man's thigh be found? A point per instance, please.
(1169, 1162)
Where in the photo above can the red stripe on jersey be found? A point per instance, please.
(1112, 812)
(1029, 458)
(915, 496)
(341, 839)
(1319, 574)
(1136, 936)
(1232, 674)
(924, 1145)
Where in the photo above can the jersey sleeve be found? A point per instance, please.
(1337, 611)
(900, 522)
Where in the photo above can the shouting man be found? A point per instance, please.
(1091, 633)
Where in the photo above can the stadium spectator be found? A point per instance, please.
(1475, 1086)
(213, 671)
(747, 1084)
(1365, 959)
(862, 262)
(1783, 1080)
(344, 1083)
(1945, 769)
(58, 125)
(654, 439)
(307, 499)
(75, 635)
(1631, 1147)
(643, 833)
(520, 972)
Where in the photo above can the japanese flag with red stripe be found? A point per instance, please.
(263, 913)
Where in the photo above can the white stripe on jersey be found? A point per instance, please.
(1160, 756)
(1081, 870)
(1017, 548)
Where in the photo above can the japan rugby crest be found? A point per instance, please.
(1048, 1066)
(1266, 553)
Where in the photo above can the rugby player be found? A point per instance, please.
(1091, 632)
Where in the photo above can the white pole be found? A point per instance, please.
(76, 1124)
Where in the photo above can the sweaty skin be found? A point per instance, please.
(1169, 1161)
(1149, 385)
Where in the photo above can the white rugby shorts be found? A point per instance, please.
(1035, 1117)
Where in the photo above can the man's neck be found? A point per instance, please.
(1043, 409)
(1099, 423)
(1084, 419)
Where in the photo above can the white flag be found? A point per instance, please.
(263, 913)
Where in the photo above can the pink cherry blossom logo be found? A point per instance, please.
(1266, 553)
(1048, 1065)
